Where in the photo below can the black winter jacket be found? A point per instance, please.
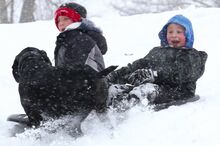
(80, 50)
(178, 70)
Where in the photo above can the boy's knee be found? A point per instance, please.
(29, 61)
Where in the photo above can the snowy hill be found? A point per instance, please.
(129, 38)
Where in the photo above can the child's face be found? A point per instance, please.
(176, 35)
(63, 22)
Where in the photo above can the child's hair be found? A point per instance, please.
(183, 21)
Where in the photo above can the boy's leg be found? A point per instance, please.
(146, 93)
(100, 94)
(28, 98)
(118, 97)
(29, 68)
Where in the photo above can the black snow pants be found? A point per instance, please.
(51, 91)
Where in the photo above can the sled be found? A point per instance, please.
(19, 118)
(22, 123)
(162, 106)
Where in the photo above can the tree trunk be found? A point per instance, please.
(12, 12)
(27, 12)
(3, 12)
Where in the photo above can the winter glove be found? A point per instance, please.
(141, 76)
(112, 77)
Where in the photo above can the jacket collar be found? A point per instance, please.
(73, 26)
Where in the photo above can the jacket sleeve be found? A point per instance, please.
(121, 75)
(80, 52)
(188, 66)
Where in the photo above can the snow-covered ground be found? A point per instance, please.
(129, 38)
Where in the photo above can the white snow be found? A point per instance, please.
(129, 38)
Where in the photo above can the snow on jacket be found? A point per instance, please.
(81, 47)
(178, 69)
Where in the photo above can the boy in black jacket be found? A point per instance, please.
(73, 86)
(166, 73)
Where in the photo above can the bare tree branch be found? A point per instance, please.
(202, 3)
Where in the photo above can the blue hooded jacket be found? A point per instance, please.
(183, 21)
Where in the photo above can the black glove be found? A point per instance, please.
(141, 76)
(112, 77)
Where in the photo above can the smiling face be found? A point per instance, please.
(63, 22)
(176, 35)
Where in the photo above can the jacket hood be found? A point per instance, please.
(89, 25)
(183, 21)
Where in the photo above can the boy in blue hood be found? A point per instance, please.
(166, 74)
(184, 27)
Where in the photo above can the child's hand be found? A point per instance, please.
(141, 76)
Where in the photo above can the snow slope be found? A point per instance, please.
(129, 38)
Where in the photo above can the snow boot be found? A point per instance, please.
(146, 93)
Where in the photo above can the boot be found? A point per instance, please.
(147, 93)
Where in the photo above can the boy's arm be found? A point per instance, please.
(82, 53)
(121, 76)
(176, 66)
(190, 65)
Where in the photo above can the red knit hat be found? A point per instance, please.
(71, 13)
